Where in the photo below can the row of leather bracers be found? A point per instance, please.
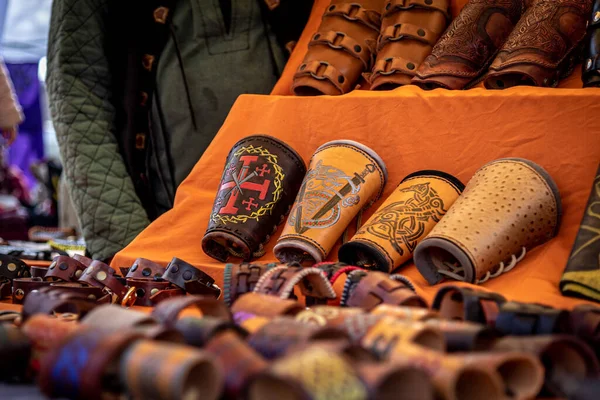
(502, 43)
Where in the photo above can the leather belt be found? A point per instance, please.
(190, 278)
(453, 302)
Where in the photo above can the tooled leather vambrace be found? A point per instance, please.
(465, 50)
(409, 30)
(591, 64)
(341, 50)
(543, 47)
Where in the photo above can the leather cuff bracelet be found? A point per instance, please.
(165, 371)
(465, 336)
(463, 303)
(100, 275)
(341, 49)
(281, 334)
(509, 207)
(261, 178)
(565, 358)
(241, 278)
(591, 65)
(543, 47)
(280, 281)
(409, 30)
(11, 268)
(65, 268)
(376, 288)
(198, 332)
(520, 319)
(149, 292)
(21, 287)
(48, 300)
(189, 278)
(143, 268)
(390, 236)
(238, 361)
(466, 49)
(582, 273)
(265, 305)
(344, 177)
(395, 380)
(168, 311)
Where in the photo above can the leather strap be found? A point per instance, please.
(153, 370)
(340, 41)
(21, 287)
(100, 275)
(403, 31)
(15, 349)
(277, 337)
(393, 6)
(77, 368)
(47, 300)
(12, 268)
(65, 268)
(355, 12)
(238, 360)
(149, 292)
(265, 305)
(190, 278)
(280, 281)
(82, 259)
(168, 311)
(471, 305)
(322, 70)
(393, 65)
(241, 278)
(377, 288)
(198, 332)
(531, 319)
(145, 269)
(38, 272)
(465, 336)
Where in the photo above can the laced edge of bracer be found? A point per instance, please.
(455, 270)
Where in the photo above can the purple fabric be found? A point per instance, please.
(28, 148)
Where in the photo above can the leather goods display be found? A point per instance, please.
(395, 380)
(281, 334)
(464, 52)
(463, 303)
(582, 273)
(544, 46)
(409, 30)
(315, 373)
(265, 305)
(165, 371)
(390, 236)
(464, 336)
(343, 178)
(566, 359)
(189, 278)
(241, 278)
(261, 178)
(590, 74)
(531, 319)
(509, 207)
(341, 50)
(376, 288)
(78, 368)
(389, 335)
(280, 281)
(238, 361)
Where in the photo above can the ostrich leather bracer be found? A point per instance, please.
(466, 49)
(543, 47)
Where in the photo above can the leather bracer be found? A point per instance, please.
(591, 63)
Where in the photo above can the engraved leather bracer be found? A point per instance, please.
(466, 49)
(582, 274)
(409, 30)
(341, 50)
(344, 177)
(543, 47)
(591, 63)
(261, 178)
(510, 206)
(390, 236)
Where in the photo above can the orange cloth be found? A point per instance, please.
(411, 129)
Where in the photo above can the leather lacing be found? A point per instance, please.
(455, 270)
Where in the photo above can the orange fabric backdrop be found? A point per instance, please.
(411, 129)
